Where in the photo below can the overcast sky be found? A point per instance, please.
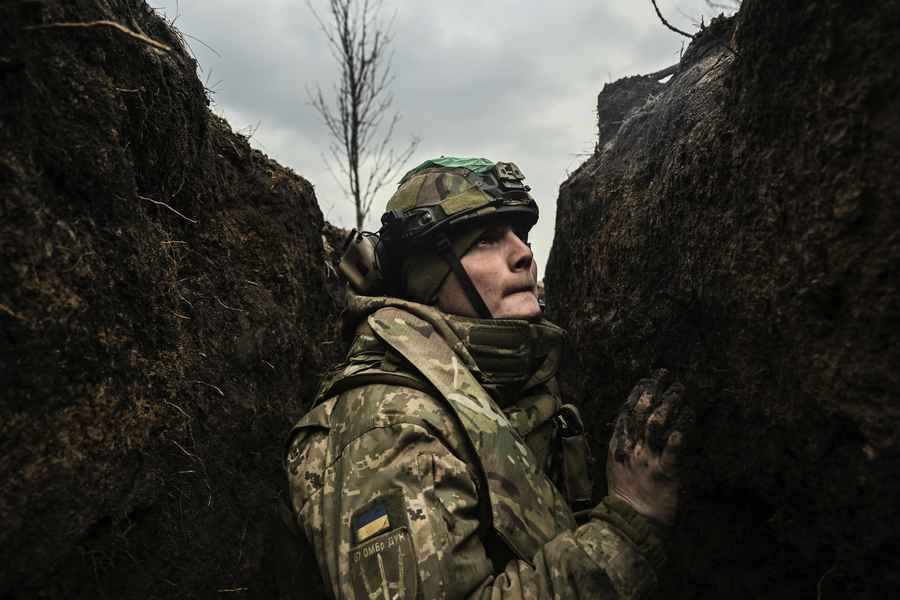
(506, 80)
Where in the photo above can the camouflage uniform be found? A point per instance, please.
(425, 469)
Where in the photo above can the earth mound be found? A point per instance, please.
(740, 226)
(162, 301)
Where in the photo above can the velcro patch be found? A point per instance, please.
(385, 512)
(371, 522)
(385, 567)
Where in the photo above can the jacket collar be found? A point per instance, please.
(507, 356)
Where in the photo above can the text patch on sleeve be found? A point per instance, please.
(385, 566)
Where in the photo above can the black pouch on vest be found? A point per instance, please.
(575, 458)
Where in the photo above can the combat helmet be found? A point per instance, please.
(440, 209)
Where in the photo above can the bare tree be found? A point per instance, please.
(359, 119)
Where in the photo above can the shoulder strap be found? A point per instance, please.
(370, 376)
(514, 480)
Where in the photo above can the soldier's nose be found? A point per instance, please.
(521, 256)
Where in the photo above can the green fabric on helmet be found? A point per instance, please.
(451, 189)
(475, 165)
(423, 275)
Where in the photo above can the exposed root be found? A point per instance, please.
(223, 305)
(159, 202)
(667, 24)
(188, 453)
(181, 410)
(103, 23)
(221, 393)
(11, 312)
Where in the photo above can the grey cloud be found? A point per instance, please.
(510, 80)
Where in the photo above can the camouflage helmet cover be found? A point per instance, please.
(453, 196)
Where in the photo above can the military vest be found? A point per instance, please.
(520, 503)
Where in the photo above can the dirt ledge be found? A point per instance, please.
(740, 226)
(162, 303)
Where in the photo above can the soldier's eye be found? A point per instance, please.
(486, 241)
(490, 237)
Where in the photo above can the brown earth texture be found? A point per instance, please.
(740, 225)
(161, 317)
(165, 306)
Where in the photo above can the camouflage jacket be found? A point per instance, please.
(425, 471)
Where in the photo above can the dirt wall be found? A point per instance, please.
(162, 316)
(741, 226)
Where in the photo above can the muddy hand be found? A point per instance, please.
(642, 463)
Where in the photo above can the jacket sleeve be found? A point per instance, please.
(402, 479)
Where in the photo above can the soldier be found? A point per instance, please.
(439, 461)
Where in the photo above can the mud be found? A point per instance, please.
(162, 301)
(740, 226)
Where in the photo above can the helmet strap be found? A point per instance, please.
(446, 250)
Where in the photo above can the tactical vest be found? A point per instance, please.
(520, 503)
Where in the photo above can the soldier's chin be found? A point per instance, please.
(520, 305)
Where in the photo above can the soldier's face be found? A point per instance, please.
(502, 267)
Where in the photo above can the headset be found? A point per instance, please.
(364, 263)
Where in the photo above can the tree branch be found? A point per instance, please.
(667, 24)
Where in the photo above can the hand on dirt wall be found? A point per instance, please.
(642, 461)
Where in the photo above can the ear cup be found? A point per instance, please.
(360, 263)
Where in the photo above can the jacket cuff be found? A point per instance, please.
(645, 534)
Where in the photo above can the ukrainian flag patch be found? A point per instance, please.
(382, 558)
(372, 522)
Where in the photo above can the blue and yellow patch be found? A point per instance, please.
(382, 556)
(385, 512)
(372, 522)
